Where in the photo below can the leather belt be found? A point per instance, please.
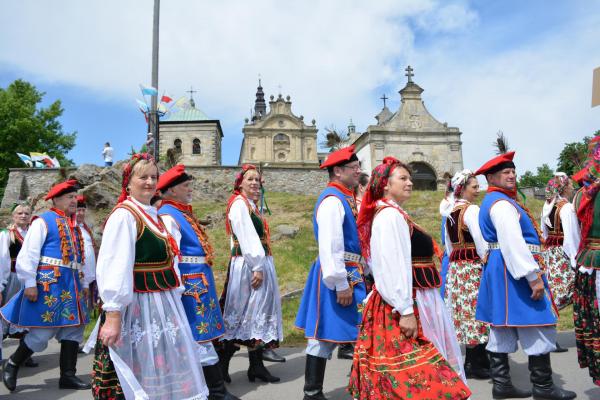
(193, 260)
(534, 248)
(57, 262)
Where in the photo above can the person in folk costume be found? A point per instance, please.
(346, 350)
(55, 274)
(199, 299)
(330, 309)
(560, 230)
(407, 346)
(466, 249)
(514, 297)
(587, 279)
(91, 249)
(144, 348)
(252, 305)
(11, 241)
(445, 257)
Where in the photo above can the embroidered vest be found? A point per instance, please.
(261, 227)
(14, 247)
(153, 269)
(556, 234)
(61, 242)
(589, 254)
(463, 245)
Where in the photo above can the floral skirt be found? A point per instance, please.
(462, 288)
(156, 357)
(587, 323)
(561, 277)
(387, 365)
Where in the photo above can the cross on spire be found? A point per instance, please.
(409, 73)
(191, 92)
(384, 98)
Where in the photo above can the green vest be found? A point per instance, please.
(262, 229)
(589, 255)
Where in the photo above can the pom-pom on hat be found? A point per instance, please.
(63, 188)
(173, 177)
(580, 176)
(340, 157)
(496, 164)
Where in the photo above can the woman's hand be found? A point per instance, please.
(110, 333)
(408, 326)
(257, 278)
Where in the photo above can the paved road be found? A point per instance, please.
(42, 382)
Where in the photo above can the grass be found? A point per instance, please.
(293, 257)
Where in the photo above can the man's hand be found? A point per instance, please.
(408, 326)
(537, 288)
(344, 297)
(31, 293)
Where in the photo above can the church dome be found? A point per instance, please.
(190, 113)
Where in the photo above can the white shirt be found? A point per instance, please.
(5, 255)
(391, 258)
(330, 220)
(471, 220)
(243, 228)
(30, 254)
(90, 253)
(516, 254)
(107, 153)
(571, 231)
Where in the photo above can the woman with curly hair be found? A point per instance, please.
(407, 346)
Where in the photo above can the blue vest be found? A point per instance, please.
(319, 314)
(199, 299)
(503, 300)
(59, 302)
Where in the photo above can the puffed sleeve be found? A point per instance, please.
(114, 269)
(4, 258)
(572, 233)
(330, 219)
(175, 231)
(516, 254)
(471, 219)
(243, 228)
(391, 260)
(447, 241)
(28, 258)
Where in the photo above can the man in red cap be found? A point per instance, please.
(51, 264)
(199, 299)
(329, 311)
(514, 297)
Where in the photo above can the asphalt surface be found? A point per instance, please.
(42, 382)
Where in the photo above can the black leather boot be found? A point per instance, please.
(314, 374)
(345, 351)
(215, 383)
(541, 377)
(225, 351)
(500, 373)
(271, 356)
(11, 365)
(257, 369)
(483, 356)
(560, 349)
(29, 363)
(474, 368)
(68, 361)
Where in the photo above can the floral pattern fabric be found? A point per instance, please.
(105, 383)
(462, 288)
(561, 277)
(387, 365)
(587, 323)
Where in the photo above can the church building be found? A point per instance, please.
(193, 135)
(413, 135)
(277, 136)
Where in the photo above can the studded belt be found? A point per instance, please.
(57, 262)
(534, 248)
(353, 257)
(193, 260)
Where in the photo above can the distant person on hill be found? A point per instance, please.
(107, 154)
(330, 310)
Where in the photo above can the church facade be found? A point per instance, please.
(194, 136)
(278, 137)
(431, 148)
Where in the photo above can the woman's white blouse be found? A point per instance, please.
(571, 231)
(243, 228)
(391, 259)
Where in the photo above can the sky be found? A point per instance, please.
(524, 68)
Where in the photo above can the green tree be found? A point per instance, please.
(572, 157)
(25, 126)
(540, 179)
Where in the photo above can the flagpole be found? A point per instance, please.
(153, 122)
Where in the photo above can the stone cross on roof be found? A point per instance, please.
(409, 73)
(384, 98)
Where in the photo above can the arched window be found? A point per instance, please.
(423, 176)
(177, 144)
(280, 138)
(196, 146)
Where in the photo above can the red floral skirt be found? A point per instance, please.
(389, 366)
